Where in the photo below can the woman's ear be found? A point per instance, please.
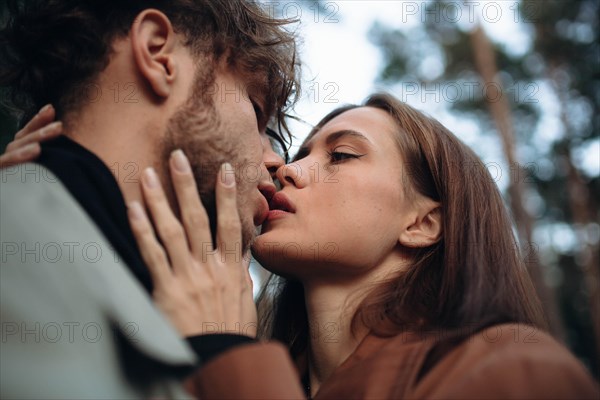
(153, 42)
(425, 226)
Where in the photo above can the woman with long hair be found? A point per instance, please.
(396, 273)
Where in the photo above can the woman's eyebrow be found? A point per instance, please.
(305, 149)
(346, 132)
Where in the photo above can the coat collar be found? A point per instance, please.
(380, 367)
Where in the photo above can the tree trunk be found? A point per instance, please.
(588, 255)
(485, 62)
(581, 206)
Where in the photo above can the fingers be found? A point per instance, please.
(193, 213)
(192, 291)
(168, 227)
(229, 234)
(42, 134)
(248, 279)
(152, 252)
(25, 147)
(19, 156)
(249, 313)
(41, 119)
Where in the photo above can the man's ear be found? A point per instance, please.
(153, 41)
(425, 225)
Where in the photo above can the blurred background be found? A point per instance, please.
(516, 80)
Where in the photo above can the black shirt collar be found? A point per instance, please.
(94, 186)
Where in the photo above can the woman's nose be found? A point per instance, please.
(292, 174)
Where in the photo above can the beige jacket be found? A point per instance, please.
(501, 362)
(70, 309)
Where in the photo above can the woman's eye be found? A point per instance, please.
(338, 156)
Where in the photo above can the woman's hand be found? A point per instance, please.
(26, 144)
(201, 289)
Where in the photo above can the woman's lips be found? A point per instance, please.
(276, 214)
(280, 206)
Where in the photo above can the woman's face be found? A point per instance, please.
(342, 203)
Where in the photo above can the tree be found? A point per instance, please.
(556, 196)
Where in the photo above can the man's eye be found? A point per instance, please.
(258, 113)
(277, 144)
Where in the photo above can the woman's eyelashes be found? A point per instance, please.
(337, 157)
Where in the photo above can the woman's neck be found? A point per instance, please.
(330, 309)
(331, 305)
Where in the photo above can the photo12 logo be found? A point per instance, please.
(471, 11)
(314, 11)
(64, 331)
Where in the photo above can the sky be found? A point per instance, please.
(336, 50)
(341, 65)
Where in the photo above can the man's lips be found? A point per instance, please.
(262, 212)
(267, 191)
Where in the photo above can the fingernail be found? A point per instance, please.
(180, 161)
(150, 178)
(135, 209)
(227, 175)
(45, 108)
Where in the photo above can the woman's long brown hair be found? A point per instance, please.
(473, 278)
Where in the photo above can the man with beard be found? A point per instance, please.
(133, 82)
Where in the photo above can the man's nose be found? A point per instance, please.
(266, 185)
(272, 161)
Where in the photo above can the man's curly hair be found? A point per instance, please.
(51, 49)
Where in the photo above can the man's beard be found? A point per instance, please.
(197, 129)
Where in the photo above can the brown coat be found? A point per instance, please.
(501, 362)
